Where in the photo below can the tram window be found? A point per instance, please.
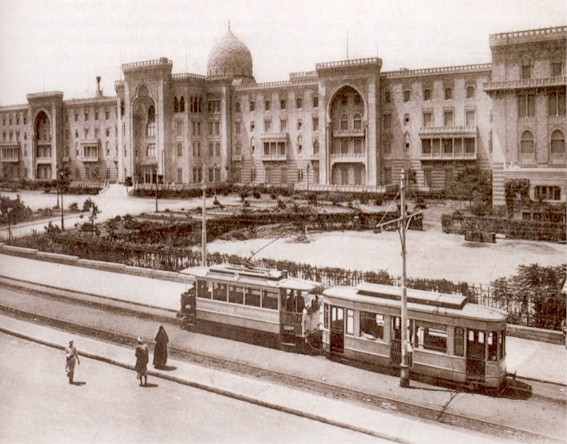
(350, 322)
(219, 292)
(471, 335)
(326, 315)
(432, 338)
(253, 297)
(371, 325)
(481, 337)
(492, 340)
(204, 289)
(459, 341)
(236, 294)
(269, 300)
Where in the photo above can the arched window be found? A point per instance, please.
(182, 104)
(344, 122)
(151, 123)
(252, 105)
(299, 144)
(557, 142)
(526, 72)
(357, 121)
(237, 107)
(299, 103)
(316, 147)
(175, 105)
(527, 143)
(315, 101)
(122, 109)
(267, 105)
(252, 145)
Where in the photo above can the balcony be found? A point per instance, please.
(449, 149)
(236, 157)
(89, 150)
(273, 137)
(9, 152)
(350, 156)
(274, 157)
(508, 85)
(349, 133)
(469, 131)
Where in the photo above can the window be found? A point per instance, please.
(492, 342)
(283, 125)
(427, 119)
(267, 126)
(299, 102)
(252, 105)
(543, 192)
(557, 142)
(253, 297)
(407, 95)
(387, 96)
(175, 105)
(448, 118)
(387, 121)
(219, 291)
(299, 123)
(211, 149)
(387, 145)
(470, 91)
(406, 119)
(315, 146)
(344, 122)
(526, 70)
(107, 114)
(179, 150)
(349, 322)
(217, 149)
(448, 93)
(470, 118)
(86, 116)
(431, 337)
(179, 128)
(470, 148)
(427, 93)
(459, 341)
(282, 104)
(182, 104)
(237, 127)
(217, 128)
(316, 123)
(426, 146)
(556, 103)
(371, 325)
(107, 132)
(76, 117)
(448, 147)
(151, 150)
(211, 174)
(237, 107)
(526, 105)
(267, 105)
(527, 143)
(96, 115)
(252, 125)
(238, 148)
(556, 68)
(315, 101)
(269, 299)
(151, 123)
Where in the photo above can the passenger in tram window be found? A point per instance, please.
(289, 301)
(300, 303)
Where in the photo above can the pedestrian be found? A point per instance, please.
(160, 350)
(71, 358)
(142, 362)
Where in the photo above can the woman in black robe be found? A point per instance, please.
(160, 350)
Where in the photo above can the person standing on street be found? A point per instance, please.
(72, 358)
(160, 350)
(142, 361)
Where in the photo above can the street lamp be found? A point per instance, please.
(308, 169)
(156, 182)
(404, 368)
(60, 177)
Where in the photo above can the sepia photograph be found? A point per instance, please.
(283, 222)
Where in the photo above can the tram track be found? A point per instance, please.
(436, 414)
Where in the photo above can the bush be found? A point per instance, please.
(73, 206)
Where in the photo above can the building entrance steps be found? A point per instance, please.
(390, 426)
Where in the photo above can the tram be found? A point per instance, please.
(452, 339)
(263, 305)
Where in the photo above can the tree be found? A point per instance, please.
(472, 183)
(13, 211)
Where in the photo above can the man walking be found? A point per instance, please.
(142, 359)
(72, 358)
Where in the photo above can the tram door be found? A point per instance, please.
(337, 330)
(476, 342)
(396, 341)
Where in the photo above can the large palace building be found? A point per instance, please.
(345, 123)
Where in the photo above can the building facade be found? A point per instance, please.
(345, 123)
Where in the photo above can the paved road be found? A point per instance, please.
(107, 405)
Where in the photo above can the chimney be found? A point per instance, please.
(98, 90)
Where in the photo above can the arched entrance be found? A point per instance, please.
(348, 138)
(42, 146)
(144, 128)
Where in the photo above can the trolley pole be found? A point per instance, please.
(404, 368)
(204, 222)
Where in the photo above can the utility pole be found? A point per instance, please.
(404, 368)
(204, 222)
(156, 182)
(60, 176)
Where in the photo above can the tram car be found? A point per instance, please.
(250, 303)
(452, 339)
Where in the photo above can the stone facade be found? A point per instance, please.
(345, 123)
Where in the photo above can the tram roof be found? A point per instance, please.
(252, 276)
(418, 300)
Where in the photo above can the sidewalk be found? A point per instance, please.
(377, 423)
(533, 360)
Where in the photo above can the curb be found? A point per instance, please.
(215, 390)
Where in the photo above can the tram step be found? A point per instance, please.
(289, 344)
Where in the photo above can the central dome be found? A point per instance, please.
(230, 57)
